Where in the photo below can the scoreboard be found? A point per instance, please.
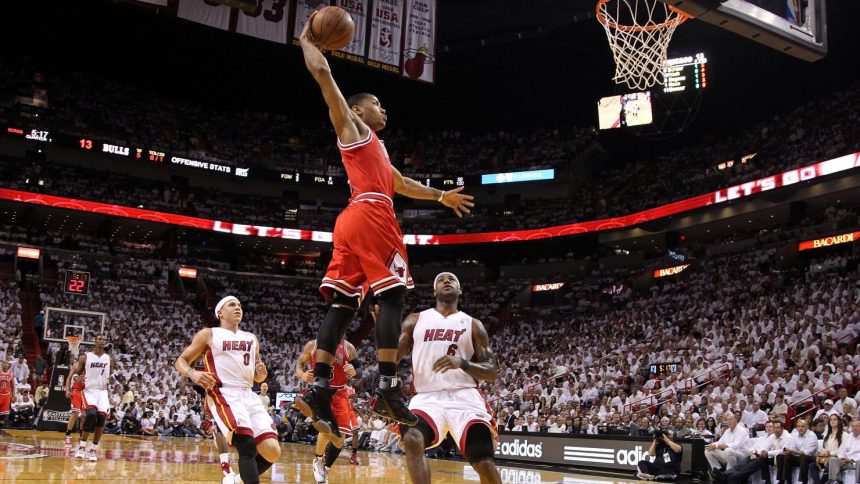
(685, 74)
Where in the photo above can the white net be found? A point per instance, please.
(74, 346)
(639, 32)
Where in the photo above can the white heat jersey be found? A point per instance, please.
(96, 371)
(435, 336)
(232, 357)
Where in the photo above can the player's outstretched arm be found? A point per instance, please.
(453, 199)
(353, 367)
(348, 127)
(484, 368)
(76, 369)
(302, 362)
(260, 370)
(190, 354)
(405, 344)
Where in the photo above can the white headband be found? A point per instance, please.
(436, 280)
(224, 301)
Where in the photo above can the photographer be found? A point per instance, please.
(667, 462)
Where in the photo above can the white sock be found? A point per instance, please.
(225, 457)
(82, 444)
(94, 447)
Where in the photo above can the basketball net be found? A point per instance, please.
(74, 345)
(639, 32)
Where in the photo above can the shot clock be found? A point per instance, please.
(77, 282)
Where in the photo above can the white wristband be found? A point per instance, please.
(441, 196)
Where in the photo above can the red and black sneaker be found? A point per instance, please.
(388, 402)
(316, 403)
(354, 460)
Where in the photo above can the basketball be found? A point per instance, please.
(332, 28)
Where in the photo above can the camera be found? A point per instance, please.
(660, 433)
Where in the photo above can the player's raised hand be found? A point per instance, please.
(349, 370)
(446, 363)
(203, 379)
(458, 202)
(306, 31)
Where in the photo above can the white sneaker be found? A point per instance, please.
(81, 453)
(320, 471)
(231, 478)
(92, 456)
(68, 440)
(645, 477)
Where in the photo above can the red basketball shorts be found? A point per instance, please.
(5, 404)
(343, 412)
(368, 251)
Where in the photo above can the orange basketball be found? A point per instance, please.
(332, 28)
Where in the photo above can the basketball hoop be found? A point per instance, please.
(639, 32)
(74, 345)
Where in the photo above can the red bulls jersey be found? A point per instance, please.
(338, 375)
(5, 383)
(368, 167)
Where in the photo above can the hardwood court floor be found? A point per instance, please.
(30, 456)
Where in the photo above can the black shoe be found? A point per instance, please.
(718, 475)
(316, 404)
(389, 402)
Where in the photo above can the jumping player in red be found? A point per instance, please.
(345, 366)
(450, 354)
(233, 364)
(7, 389)
(76, 396)
(368, 246)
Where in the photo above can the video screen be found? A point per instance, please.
(632, 109)
(283, 400)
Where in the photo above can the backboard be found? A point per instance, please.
(62, 322)
(794, 27)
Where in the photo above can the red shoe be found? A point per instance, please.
(354, 460)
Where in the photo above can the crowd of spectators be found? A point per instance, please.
(815, 131)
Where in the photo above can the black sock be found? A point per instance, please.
(322, 370)
(248, 470)
(385, 368)
(68, 432)
(331, 454)
(262, 464)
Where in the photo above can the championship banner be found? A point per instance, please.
(304, 9)
(419, 50)
(55, 414)
(386, 32)
(357, 9)
(199, 11)
(268, 22)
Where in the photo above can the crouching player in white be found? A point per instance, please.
(232, 362)
(96, 367)
(450, 354)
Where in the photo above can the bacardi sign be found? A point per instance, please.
(552, 286)
(828, 241)
(670, 271)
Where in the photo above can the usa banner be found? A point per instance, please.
(268, 21)
(211, 14)
(357, 9)
(420, 46)
(386, 33)
(304, 9)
